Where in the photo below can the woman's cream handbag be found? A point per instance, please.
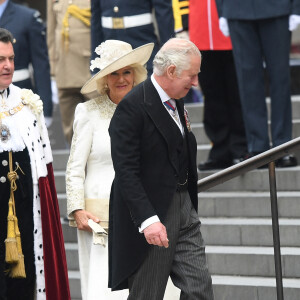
(99, 208)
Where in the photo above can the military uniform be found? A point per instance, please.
(256, 27)
(181, 12)
(30, 48)
(132, 22)
(223, 118)
(69, 54)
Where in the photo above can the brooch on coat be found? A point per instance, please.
(4, 133)
(187, 120)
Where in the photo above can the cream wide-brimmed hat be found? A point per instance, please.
(115, 55)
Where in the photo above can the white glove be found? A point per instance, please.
(48, 121)
(294, 21)
(54, 91)
(223, 25)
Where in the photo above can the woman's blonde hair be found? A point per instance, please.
(139, 75)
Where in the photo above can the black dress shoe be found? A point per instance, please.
(211, 164)
(287, 161)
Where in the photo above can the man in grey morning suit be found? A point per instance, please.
(259, 32)
(154, 226)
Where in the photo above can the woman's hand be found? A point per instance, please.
(81, 217)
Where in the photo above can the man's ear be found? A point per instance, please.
(171, 71)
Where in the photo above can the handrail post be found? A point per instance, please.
(275, 229)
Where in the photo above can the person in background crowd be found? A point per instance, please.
(132, 22)
(68, 38)
(89, 170)
(154, 226)
(32, 255)
(223, 117)
(30, 49)
(255, 27)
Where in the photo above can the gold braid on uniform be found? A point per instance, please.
(82, 14)
(180, 8)
(13, 247)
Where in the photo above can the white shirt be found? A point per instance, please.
(164, 98)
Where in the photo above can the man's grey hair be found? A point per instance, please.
(177, 54)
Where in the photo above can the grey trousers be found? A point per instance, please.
(184, 261)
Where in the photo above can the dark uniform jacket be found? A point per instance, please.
(257, 9)
(145, 144)
(136, 36)
(30, 47)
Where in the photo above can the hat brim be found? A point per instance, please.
(139, 55)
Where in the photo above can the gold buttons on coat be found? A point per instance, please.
(116, 9)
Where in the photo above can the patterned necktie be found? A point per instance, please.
(172, 108)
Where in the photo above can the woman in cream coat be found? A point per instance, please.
(90, 171)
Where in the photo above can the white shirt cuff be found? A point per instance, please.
(148, 222)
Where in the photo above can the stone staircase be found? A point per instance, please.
(237, 227)
(236, 224)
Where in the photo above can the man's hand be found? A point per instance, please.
(81, 217)
(156, 234)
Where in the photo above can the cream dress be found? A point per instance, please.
(89, 176)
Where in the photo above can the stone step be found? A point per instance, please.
(249, 232)
(62, 202)
(74, 282)
(287, 179)
(60, 159)
(252, 261)
(235, 204)
(247, 204)
(202, 139)
(228, 287)
(72, 256)
(195, 110)
(203, 152)
(255, 180)
(244, 205)
(253, 288)
(60, 181)
(55, 131)
(69, 233)
(231, 260)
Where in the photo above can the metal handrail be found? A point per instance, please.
(266, 158)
